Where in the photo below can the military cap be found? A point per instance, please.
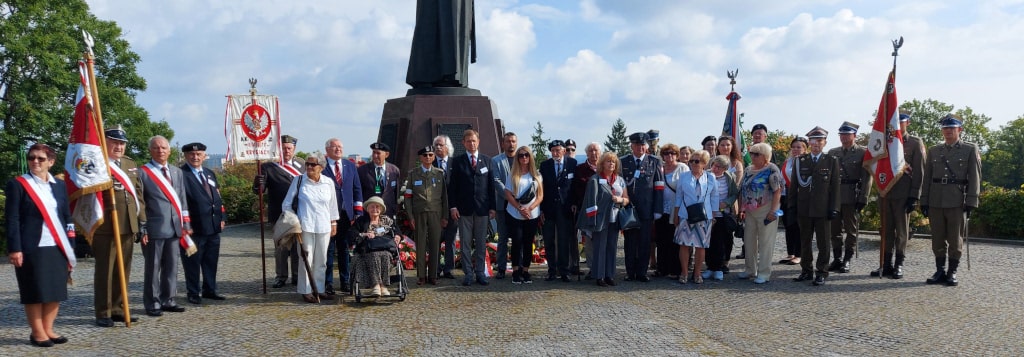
(116, 133)
(638, 138)
(380, 146)
(425, 149)
(653, 135)
(708, 138)
(759, 127)
(555, 143)
(570, 142)
(193, 147)
(904, 115)
(848, 128)
(288, 139)
(951, 121)
(817, 133)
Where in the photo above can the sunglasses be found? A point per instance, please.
(428, 155)
(694, 161)
(522, 155)
(312, 164)
(37, 158)
(571, 149)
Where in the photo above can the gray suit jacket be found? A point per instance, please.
(162, 220)
(501, 170)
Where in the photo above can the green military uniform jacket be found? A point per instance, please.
(854, 178)
(952, 176)
(909, 184)
(425, 191)
(814, 192)
(126, 205)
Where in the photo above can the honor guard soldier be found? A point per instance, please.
(644, 180)
(426, 201)
(854, 185)
(814, 196)
(900, 201)
(952, 182)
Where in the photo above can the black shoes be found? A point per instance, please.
(886, 270)
(951, 279)
(214, 296)
(448, 275)
(897, 272)
(527, 279)
(565, 278)
(173, 308)
(120, 318)
(329, 288)
(500, 275)
(609, 281)
(43, 343)
(845, 268)
(278, 284)
(551, 277)
(154, 312)
(819, 280)
(937, 278)
(643, 278)
(835, 265)
(59, 340)
(195, 300)
(804, 276)
(105, 322)
(516, 277)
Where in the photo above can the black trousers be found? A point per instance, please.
(668, 250)
(523, 233)
(202, 263)
(720, 247)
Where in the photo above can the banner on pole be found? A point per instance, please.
(252, 128)
(884, 154)
(86, 171)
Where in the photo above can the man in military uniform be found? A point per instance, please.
(644, 182)
(952, 182)
(900, 201)
(854, 185)
(426, 200)
(814, 196)
(131, 221)
(274, 179)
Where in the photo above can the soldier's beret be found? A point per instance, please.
(425, 149)
(638, 138)
(570, 142)
(193, 147)
(380, 146)
(759, 127)
(555, 143)
(848, 128)
(817, 133)
(116, 133)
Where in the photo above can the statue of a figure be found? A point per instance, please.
(443, 45)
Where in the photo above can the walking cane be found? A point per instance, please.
(967, 239)
(305, 260)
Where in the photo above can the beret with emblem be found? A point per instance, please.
(425, 149)
(380, 146)
(193, 147)
(555, 143)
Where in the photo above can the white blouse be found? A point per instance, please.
(524, 184)
(318, 204)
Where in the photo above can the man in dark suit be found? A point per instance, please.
(167, 226)
(131, 220)
(274, 179)
(349, 193)
(556, 211)
(814, 196)
(900, 201)
(443, 149)
(472, 205)
(207, 213)
(645, 182)
(380, 178)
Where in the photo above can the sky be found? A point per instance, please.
(576, 66)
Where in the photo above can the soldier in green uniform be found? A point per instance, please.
(900, 201)
(131, 219)
(426, 200)
(854, 184)
(814, 196)
(952, 182)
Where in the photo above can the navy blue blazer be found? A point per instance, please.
(556, 186)
(25, 222)
(350, 192)
(205, 212)
(471, 190)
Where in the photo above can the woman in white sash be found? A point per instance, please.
(38, 222)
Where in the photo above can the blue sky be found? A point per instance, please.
(576, 66)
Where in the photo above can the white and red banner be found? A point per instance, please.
(884, 154)
(86, 169)
(252, 128)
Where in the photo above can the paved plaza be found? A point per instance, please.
(853, 315)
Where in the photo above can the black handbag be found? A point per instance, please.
(529, 195)
(627, 218)
(695, 213)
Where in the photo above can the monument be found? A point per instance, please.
(440, 100)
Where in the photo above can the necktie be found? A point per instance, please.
(206, 184)
(380, 178)
(558, 168)
(444, 165)
(117, 162)
(337, 173)
(472, 160)
(637, 164)
(815, 159)
(167, 176)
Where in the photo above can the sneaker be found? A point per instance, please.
(706, 274)
(760, 280)
(743, 275)
(526, 278)
(516, 277)
(718, 275)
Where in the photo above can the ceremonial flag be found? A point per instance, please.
(733, 126)
(884, 154)
(85, 168)
(252, 127)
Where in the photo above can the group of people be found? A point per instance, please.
(174, 212)
(677, 212)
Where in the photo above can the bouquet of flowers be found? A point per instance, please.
(407, 252)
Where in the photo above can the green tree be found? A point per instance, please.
(617, 140)
(41, 45)
(539, 144)
(925, 122)
(1002, 162)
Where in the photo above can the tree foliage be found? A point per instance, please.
(925, 122)
(617, 141)
(1003, 166)
(539, 144)
(40, 46)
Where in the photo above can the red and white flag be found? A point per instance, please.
(86, 170)
(252, 127)
(884, 154)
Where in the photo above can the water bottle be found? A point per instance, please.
(71, 231)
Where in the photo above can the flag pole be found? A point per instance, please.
(896, 44)
(98, 118)
(259, 171)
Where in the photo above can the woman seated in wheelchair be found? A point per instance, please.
(374, 237)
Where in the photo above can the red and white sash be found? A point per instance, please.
(288, 168)
(172, 196)
(50, 218)
(122, 177)
(785, 171)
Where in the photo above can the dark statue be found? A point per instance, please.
(443, 46)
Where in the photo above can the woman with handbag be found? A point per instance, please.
(760, 193)
(374, 236)
(524, 193)
(664, 230)
(696, 202)
(317, 210)
(599, 216)
(726, 221)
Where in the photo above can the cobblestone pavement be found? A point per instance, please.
(853, 315)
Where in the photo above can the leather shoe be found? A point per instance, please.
(329, 289)
(600, 282)
(278, 284)
(897, 272)
(643, 278)
(951, 279)
(120, 318)
(551, 277)
(845, 268)
(835, 265)
(500, 275)
(104, 322)
(43, 343)
(432, 281)
(609, 281)
(420, 281)
(448, 275)
(804, 276)
(214, 296)
(173, 308)
(154, 312)
(195, 300)
(565, 278)
(59, 340)
(819, 280)
(938, 277)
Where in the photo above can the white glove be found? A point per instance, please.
(657, 216)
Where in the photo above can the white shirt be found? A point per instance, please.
(46, 196)
(524, 183)
(318, 204)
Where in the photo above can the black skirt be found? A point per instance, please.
(43, 276)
